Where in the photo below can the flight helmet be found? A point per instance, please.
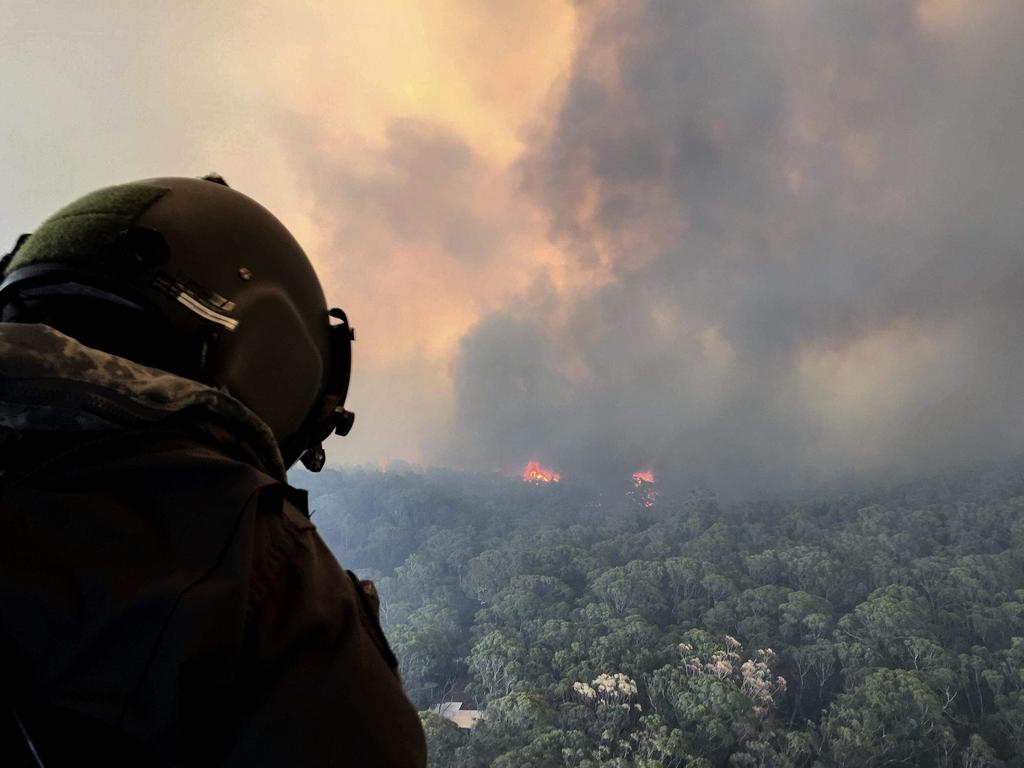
(201, 281)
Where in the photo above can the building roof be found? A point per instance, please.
(452, 710)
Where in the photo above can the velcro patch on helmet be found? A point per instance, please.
(81, 232)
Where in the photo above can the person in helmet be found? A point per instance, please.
(166, 353)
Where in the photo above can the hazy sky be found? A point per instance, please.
(745, 244)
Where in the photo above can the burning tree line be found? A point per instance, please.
(643, 481)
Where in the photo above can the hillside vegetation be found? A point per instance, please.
(846, 629)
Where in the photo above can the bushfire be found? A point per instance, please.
(643, 488)
(535, 473)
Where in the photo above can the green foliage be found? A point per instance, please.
(852, 629)
(444, 739)
(893, 718)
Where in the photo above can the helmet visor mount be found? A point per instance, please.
(331, 417)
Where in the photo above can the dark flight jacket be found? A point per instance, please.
(166, 601)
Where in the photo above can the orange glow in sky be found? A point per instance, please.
(444, 163)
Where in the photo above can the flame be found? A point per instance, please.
(382, 465)
(645, 476)
(535, 473)
(643, 482)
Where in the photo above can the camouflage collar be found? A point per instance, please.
(51, 383)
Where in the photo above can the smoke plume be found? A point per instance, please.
(801, 226)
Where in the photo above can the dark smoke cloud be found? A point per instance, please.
(805, 221)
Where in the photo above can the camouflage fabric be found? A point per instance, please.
(81, 232)
(51, 383)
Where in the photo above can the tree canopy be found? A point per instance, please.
(848, 628)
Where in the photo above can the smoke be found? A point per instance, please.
(424, 237)
(801, 226)
(746, 244)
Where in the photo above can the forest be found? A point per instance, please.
(845, 627)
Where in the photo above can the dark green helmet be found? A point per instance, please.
(211, 284)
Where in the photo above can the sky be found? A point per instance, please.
(746, 245)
